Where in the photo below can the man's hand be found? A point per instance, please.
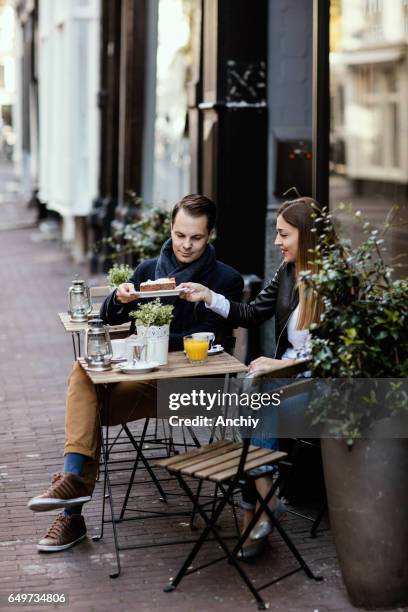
(263, 365)
(194, 292)
(126, 293)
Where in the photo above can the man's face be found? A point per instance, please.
(190, 236)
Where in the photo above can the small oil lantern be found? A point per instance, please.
(98, 347)
(79, 298)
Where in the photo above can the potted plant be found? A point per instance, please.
(139, 239)
(153, 323)
(361, 346)
(119, 274)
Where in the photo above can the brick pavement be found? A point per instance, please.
(35, 361)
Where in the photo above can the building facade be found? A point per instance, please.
(369, 90)
(7, 64)
(58, 58)
(68, 76)
(247, 102)
(368, 165)
(26, 108)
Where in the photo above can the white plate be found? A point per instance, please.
(217, 348)
(138, 368)
(161, 293)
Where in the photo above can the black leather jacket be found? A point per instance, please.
(279, 298)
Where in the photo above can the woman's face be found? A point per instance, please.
(287, 238)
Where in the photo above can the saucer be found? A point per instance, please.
(138, 368)
(215, 349)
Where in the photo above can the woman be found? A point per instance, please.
(298, 228)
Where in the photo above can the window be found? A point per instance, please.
(378, 102)
(171, 175)
(373, 19)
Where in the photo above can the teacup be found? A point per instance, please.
(209, 336)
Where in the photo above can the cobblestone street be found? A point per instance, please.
(36, 355)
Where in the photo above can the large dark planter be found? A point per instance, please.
(367, 490)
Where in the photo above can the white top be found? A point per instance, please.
(298, 338)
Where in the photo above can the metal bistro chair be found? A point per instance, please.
(297, 448)
(101, 291)
(289, 466)
(299, 445)
(229, 465)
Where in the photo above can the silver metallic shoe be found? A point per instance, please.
(252, 551)
(264, 528)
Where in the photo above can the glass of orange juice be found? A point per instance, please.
(196, 349)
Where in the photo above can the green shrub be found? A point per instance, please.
(364, 328)
(363, 332)
(142, 239)
(153, 313)
(119, 274)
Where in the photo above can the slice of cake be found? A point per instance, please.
(160, 284)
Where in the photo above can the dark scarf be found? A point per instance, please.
(167, 264)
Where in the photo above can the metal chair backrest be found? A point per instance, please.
(100, 291)
(98, 294)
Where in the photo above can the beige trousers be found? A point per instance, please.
(129, 401)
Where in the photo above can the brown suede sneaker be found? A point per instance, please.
(66, 491)
(63, 533)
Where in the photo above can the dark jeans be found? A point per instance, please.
(266, 436)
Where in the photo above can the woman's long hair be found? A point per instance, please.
(304, 214)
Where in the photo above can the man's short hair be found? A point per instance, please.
(197, 205)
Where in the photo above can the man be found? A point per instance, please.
(187, 256)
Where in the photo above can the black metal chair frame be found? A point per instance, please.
(211, 521)
(231, 554)
(297, 386)
(170, 446)
(291, 463)
(107, 444)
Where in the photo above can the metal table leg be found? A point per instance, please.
(76, 343)
(104, 396)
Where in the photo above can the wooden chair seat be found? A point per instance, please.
(228, 465)
(219, 461)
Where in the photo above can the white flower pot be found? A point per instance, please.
(157, 342)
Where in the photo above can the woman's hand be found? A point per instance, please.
(195, 293)
(126, 293)
(263, 365)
